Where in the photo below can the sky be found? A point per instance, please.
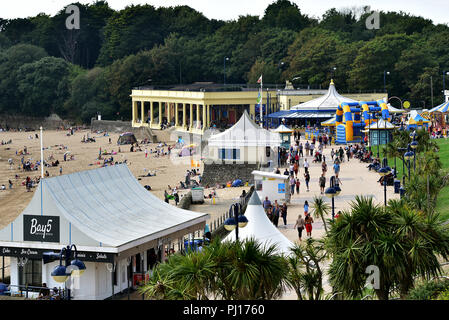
(436, 10)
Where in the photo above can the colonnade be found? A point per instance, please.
(171, 111)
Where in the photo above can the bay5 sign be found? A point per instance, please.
(40, 228)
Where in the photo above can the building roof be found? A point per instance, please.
(381, 125)
(330, 122)
(283, 129)
(245, 133)
(261, 228)
(330, 100)
(444, 107)
(270, 175)
(415, 118)
(105, 207)
(301, 114)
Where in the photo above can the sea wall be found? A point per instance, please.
(221, 173)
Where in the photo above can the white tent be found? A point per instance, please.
(261, 228)
(392, 109)
(245, 133)
(329, 101)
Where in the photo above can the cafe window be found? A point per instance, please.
(31, 273)
(229, 154)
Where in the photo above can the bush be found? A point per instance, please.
(430, 290)
(443, 295)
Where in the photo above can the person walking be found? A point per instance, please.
(292, 184)
(299, 225)
(60, 170)
(336, 168)
(307, 178)
(297, 183)
(275, 213)
(146, 152)
(308, 224)
(284, 213)
(324, 167)
(266, 204)
(301, 154)
(322, 183)
(306, 165)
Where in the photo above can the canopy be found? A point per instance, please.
(245, 133)
(392, 109)
(329, 123)
(104, 207)
(444, 107)
(261, 228)
(329, 101)
(283, 129)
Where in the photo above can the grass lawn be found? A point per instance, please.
(443, 197)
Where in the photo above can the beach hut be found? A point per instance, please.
(380, 132)
(116, 225)
(244, 142)
(126, 138)
(286, 135)
(261, 228)
(272, 185)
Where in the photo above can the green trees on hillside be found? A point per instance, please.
(175, 45)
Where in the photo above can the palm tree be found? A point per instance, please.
(320, 209)
(399, 240)
(305, 274)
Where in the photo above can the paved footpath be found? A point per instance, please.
(355, 180)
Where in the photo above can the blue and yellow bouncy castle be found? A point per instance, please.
(352, 117)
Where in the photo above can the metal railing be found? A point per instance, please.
(28, 289)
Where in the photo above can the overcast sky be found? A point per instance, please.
(436, 10)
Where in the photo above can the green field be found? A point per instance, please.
(443, 198)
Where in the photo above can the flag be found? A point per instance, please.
(259, 99)
(260, 79)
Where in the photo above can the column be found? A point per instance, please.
(160, 113)
(191, 116)
(134, 108)
(203, 121)
(197, 115)
(142, 111)
(183, 115)
(207, 116)
(176, 115)
(151, 112)
(167, 108)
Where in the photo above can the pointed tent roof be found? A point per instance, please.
(261, 228)
(329, 101)
(415, 118)
(330, 122)
(381, 125)
(392, 109)
(105, 207)
(245, 133)
(444, 107)
(282, 129)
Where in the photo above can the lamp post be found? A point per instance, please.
(385, 81)
(224, 69)
(408, 156)
(333, 191)
(383, 172)
(403, 164)
(237, 221)
(414, 145)
(333, 72)
(71, 268)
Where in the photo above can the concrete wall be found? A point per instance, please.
(222, 173)
(22, 122)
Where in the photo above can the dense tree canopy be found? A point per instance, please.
(113, 51)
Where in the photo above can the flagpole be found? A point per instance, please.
(42, 172)
(261, 102)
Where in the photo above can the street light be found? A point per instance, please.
(237, 221)
(71, 268)
(414, 145)
(333, 191)
(333, 72)
(385, 73)
(224, 69)
(383, 172)
(408, 156)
